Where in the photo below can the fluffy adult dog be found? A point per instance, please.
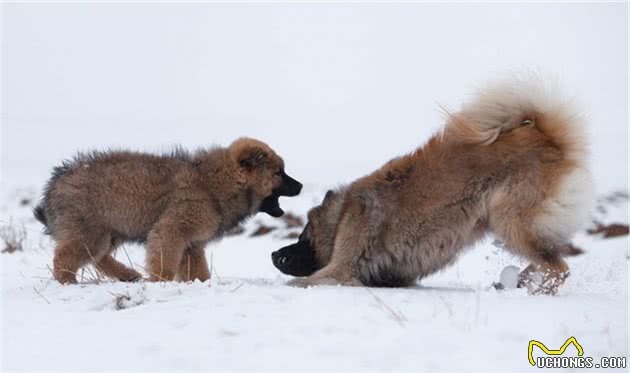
(511, 162)
(174, 203)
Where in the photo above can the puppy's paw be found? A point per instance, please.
(65, 277)
(130, 276)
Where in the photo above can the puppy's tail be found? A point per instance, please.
(525, 100)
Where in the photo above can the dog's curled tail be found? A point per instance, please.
(520, 101)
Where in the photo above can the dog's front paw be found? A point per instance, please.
(305, 282)
(299, 282)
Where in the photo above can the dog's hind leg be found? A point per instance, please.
(544, 276)
(547, 271)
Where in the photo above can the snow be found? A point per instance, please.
(509, 277)
(245, 318)
(336, 89)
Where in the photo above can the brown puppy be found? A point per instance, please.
(512, 162)
(174, 203)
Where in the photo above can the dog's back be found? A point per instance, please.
(126, 191)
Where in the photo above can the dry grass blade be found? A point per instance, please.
(128, 258)
(188, 268)
(160, 278)
(397, 315)
(41, 295)
(98, 271)
(211, 269)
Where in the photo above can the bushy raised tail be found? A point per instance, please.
(507, 104)
(529, 100)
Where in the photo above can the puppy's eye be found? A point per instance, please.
(278, 173)
(528, 123)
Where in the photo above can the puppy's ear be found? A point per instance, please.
(251, 157)
(328, 196)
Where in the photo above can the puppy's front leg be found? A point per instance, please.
(194, 265)
(172, 235)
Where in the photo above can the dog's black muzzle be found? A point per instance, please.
(289, 187)
(295, 260)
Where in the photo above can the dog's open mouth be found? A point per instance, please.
(289, 188)
(271, 206)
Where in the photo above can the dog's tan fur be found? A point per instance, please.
(511, 163)
(175, 203)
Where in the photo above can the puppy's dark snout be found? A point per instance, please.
(289, 187)
(298, 186)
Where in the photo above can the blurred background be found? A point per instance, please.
(336, 89)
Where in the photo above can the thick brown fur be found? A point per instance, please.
(510, 163)
(175, 203)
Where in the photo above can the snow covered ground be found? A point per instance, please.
(247, 319)
(337, 89)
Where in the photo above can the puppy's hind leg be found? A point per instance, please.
(67, 261)
(115, 269)
(76, 248)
